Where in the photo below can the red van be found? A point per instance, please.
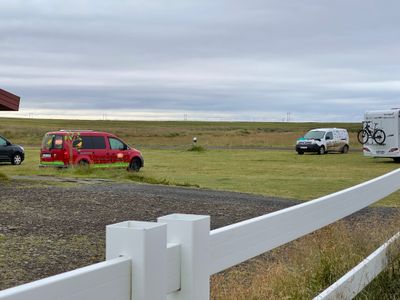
(86, 147)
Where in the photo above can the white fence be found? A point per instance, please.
(102, 281)
(174, 257)
(358, 278)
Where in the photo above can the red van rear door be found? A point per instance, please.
(53, 152)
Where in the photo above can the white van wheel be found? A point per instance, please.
(345, 149)
(321, 150)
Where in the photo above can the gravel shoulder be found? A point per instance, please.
(48, 229)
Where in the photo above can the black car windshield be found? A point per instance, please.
(3, 141)
(314, 135)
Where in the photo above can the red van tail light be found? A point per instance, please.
(366, 149)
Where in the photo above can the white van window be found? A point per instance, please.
(329, 136)
(314, 135)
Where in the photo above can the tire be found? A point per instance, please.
(379, 136)
(363, 136)
(84, 164)
(321, 150)
(345, 149)
(396, 159)
(135, 165)
(16, 159)
(300, 152)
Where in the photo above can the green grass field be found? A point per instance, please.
(256, 170)
(29, 132)
(271, 173)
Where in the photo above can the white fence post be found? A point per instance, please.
(192, 233)
(146, 244)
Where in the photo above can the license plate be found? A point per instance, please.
(303, 147)
(380, 152)
(46, 155)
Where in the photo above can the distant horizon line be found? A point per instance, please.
(169, 120)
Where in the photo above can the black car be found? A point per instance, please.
(11, 153)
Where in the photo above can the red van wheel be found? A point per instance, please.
(135, 165)
(83, 164)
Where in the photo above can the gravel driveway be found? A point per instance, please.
(47, 229)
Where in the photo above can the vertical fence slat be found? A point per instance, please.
(173, 267)
(146, 244)
(192, 232)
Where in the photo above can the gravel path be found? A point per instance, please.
(48, 229)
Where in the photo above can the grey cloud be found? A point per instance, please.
(321, 57)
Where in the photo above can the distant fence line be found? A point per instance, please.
(174, 257)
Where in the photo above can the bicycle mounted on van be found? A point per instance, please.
(367, 133)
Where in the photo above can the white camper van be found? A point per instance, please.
(383, 137)
(323, 140)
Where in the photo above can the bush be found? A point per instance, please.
(196, 148)
(151, 180)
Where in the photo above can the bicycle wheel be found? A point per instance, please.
(379, 136)
(363, 136)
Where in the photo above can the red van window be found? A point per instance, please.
(52, 141)
(98, 142)
(90, 142)
(58, 142)
(116, 144)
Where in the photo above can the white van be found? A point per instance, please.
(323, 140)
(387, 142)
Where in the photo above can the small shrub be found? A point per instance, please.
(244, 132)
(187, 184)
(3, 177)
(151, 180)
(83, 170)
(196, 148)
(173, 134)
(144, 179)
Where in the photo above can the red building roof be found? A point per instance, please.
(8, 101)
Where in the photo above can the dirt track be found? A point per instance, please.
(48, 229)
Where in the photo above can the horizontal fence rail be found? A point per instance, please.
(102, 281)
(239, 242)
(358, 278)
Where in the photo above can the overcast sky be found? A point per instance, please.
(320, 60)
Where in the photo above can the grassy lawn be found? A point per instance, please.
(270, 173)
(29, 132)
